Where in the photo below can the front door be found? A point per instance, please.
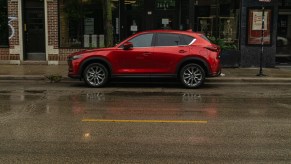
(34, 31)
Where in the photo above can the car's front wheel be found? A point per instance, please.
(96, 75)
(192, 75)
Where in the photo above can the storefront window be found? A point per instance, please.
(81, 23)
(3, 24)
(283, 41)
(287, 3)
(219, 20)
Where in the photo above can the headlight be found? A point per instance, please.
(77, 57)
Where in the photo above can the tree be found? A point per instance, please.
(108, 28)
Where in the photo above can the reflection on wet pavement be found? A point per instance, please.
(39, 126)
(134, 105)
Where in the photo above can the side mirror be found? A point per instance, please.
(127, 46)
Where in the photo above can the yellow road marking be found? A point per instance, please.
(147, 121)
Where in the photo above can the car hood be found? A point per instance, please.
(90, 51)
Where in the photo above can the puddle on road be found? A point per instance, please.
(136, 105)
(1, 92)
(35, 91)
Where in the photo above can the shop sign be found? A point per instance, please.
(265, 1)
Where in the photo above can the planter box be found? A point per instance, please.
(230, 58)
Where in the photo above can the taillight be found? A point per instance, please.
(214, 49)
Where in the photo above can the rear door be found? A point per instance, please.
(169, 49)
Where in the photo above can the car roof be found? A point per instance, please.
(188, 32)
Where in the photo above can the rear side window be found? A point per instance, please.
(169, 40)
(144, 40)
(174, 40)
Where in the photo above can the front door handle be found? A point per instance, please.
(146, 53)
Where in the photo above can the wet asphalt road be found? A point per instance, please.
(64, 122)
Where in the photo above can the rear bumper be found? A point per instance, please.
(216, 73)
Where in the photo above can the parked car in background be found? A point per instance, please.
(186, 55)
(281, 41)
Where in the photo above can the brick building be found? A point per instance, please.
(46, 31)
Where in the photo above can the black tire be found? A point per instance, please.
(192, 75)
(96, 75)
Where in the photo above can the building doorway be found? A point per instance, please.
(283, 42)
(34, 30)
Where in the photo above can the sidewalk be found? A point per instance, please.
(38, 72)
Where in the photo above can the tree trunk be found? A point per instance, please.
(108, 28)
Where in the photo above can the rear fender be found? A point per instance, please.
(195, 60)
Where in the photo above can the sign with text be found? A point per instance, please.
(265, 1)
(255, 27)
(258, 21)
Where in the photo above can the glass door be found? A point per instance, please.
(283, 51)
(34, 30)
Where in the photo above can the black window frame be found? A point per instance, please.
(5, 12)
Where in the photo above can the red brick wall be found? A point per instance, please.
(65, 52)
(13, 12)
(52, 16)
(4, 53)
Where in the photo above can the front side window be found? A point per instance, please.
(169, 40)
(3, 24)
(144, 40)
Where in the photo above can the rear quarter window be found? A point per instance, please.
(205, 38)
(165, 39)
(188, 39)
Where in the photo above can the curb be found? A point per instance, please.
(211, 80)
(250, 80)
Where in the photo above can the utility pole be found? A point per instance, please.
(262, 37)
(262, 43)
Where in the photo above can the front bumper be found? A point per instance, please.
(73, 70)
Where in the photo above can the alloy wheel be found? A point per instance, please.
(192, 75)
(95, 75)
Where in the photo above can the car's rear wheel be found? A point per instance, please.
(96, 75)
(192, 75)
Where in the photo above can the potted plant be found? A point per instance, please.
(230, 55)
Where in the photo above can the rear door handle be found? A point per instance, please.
(182, 51)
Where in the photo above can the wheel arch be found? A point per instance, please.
(196, 60)
(92, 60)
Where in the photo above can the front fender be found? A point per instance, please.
(90, 60)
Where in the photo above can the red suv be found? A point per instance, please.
(186, 55)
